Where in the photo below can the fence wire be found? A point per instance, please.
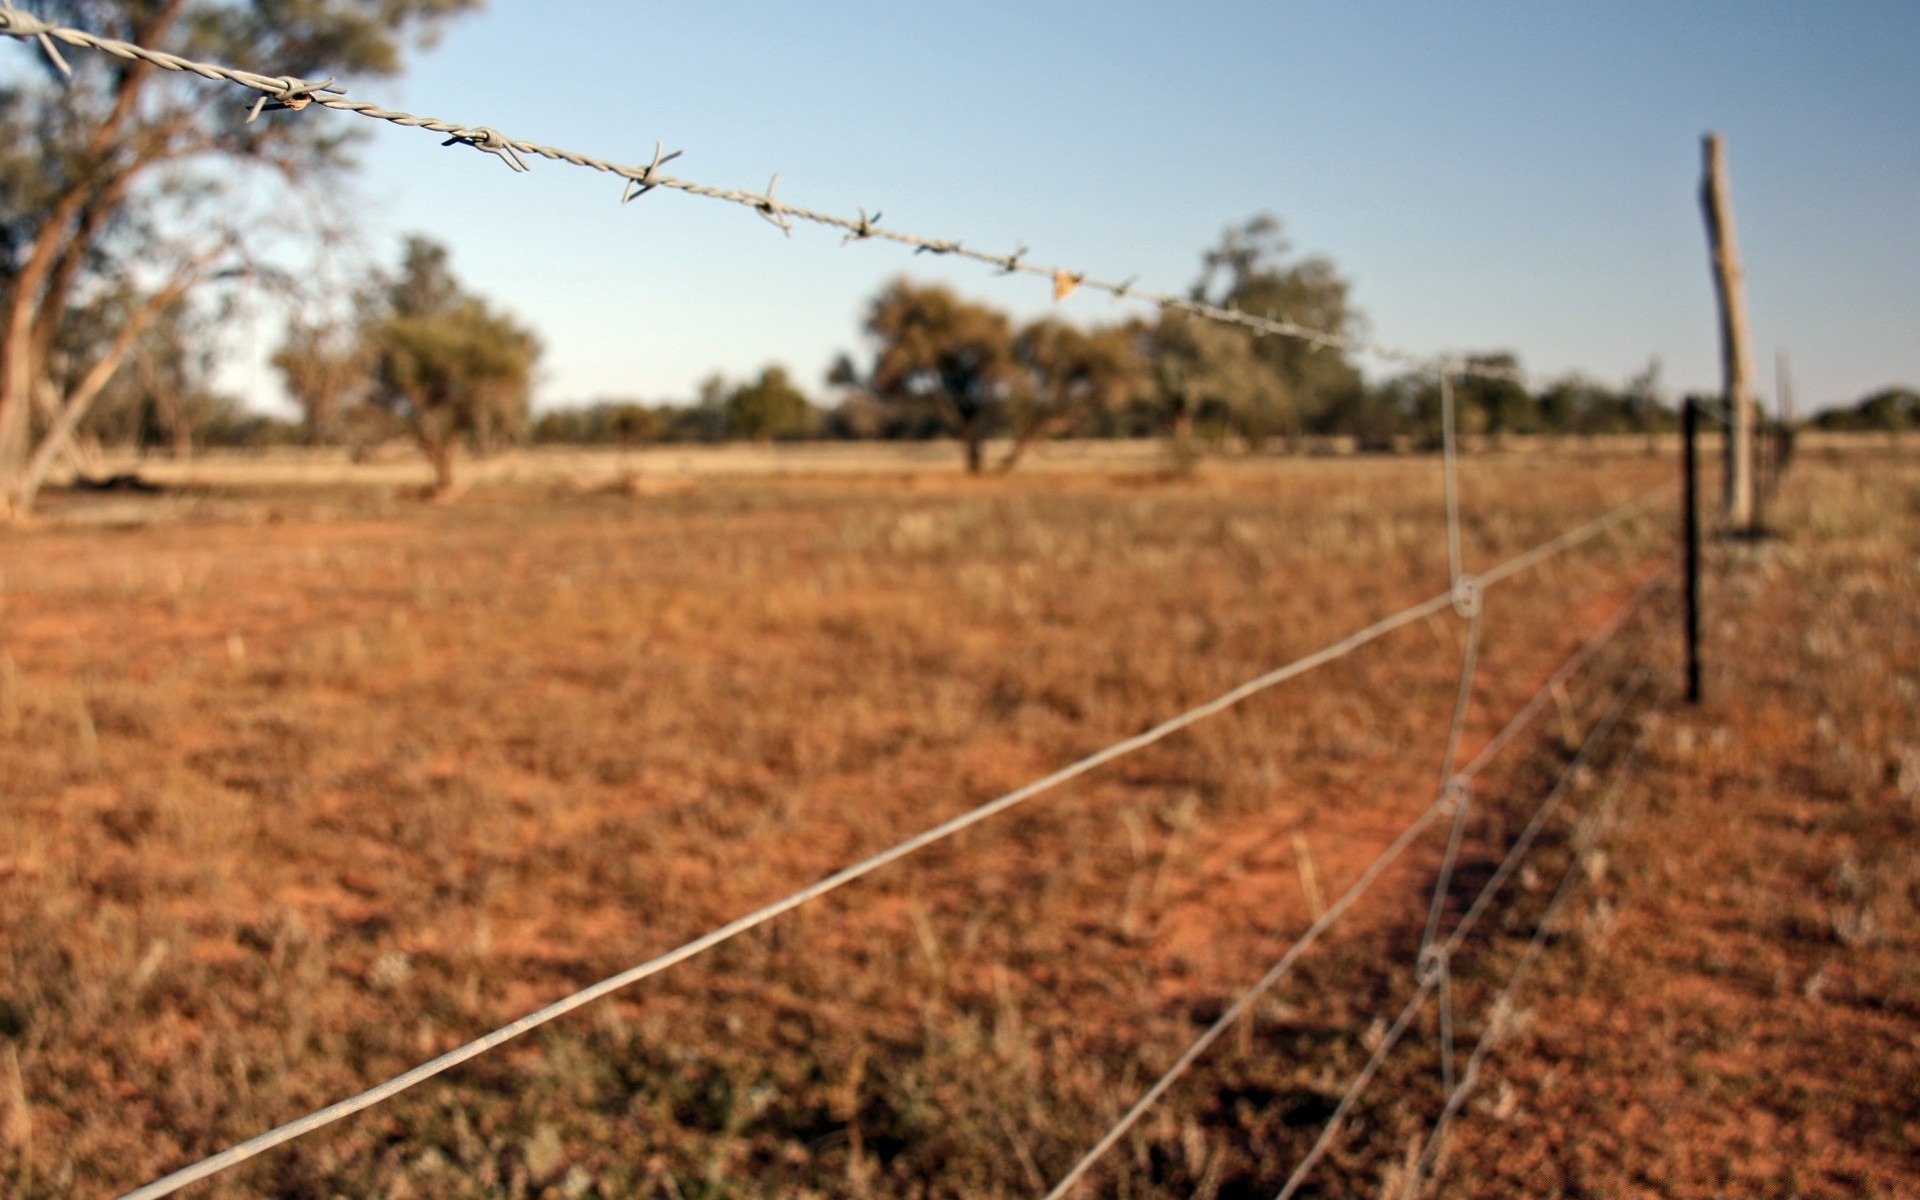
(1456, 784)
(1500, 1010)
(284, 92)
(420, 1074)
(1431, 981)
(1464, 596)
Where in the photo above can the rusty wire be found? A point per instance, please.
(287, 92)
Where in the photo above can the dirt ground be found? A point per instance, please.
(304, 783)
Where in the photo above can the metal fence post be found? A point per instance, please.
(1690, 533)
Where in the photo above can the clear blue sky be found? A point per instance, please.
(1490, 175)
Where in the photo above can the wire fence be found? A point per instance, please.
(1453, 800)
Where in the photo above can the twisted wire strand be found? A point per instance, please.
(1517, 854)
(1467, 602)
(1502, 1004)
(1266, 983)
(339, 1110)
(1458, 788)
(1450, 464)
(287, 92)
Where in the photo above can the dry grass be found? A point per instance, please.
(293, 803)
(1741, 1014)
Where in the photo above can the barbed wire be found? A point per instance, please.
(280, 1135)
(1278, 971)
(1464, 595)
(285, 92)
(1429, 982)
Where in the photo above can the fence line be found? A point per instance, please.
(1430, 981)
(420, 1074)
(285, 92)
(1464, 595)
(1501, 1007)
(1449, 793)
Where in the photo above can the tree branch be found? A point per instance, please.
(81, 399)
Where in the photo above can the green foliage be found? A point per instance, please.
(1211, 376)
(605, 422)
(1889, 410)
(768, 408)
(939, 352)
(1251, 269)
(164, 394)
(328, 369)
(1067, 374)
(447, 362)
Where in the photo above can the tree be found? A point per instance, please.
(1065, 374)
(1203, 368)
(1252, 270)
(166, 387)
(447, 362)
(938, 350)
(1495, 403)
(328, 369)
(1889, 410)
(768, 408)
(77, 365)
(119, 179)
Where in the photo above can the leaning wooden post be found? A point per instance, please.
(1736, 367)
(1690, 534)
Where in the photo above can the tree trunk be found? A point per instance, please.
(440, 454)
(19, 497)
(36, 283)
(975, 443)
(1182, 439)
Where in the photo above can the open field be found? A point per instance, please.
(304, 783)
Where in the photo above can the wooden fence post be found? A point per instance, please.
(1736, 366)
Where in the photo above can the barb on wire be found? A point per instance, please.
(700, 945)
(294, 96)
(490, 141)
(19, 24)
(639, 183)
(1266, 983)
(514, 151)
(771, 210)
(1431, 982)
(863, 228)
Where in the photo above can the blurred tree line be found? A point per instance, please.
(940, 365)
(138, 209)
(1890, 410)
